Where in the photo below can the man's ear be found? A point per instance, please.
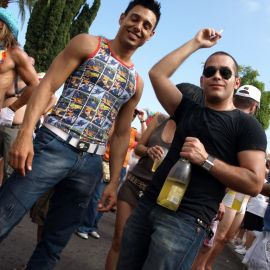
(237, 82)
(122, 17)
(254, 108)
(201, 81)
(153, 32)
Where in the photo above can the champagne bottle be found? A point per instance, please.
(175, 185)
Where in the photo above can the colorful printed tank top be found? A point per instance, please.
(92, 96)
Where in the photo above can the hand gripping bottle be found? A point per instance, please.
(175, 185)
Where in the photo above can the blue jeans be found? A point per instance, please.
(158, 238)
(74, 175)
(91, 215)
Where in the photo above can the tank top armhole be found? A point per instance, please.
(161, 118)
(96, 50)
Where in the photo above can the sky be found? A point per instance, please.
(246, 36)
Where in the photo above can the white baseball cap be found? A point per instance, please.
(249, 91)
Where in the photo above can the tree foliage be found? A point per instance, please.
(250, 76)
(53, 23)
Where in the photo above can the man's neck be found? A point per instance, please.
(121, 52)
(220, 106)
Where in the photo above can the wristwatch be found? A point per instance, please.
(208, 163)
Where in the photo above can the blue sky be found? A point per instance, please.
(246, 36)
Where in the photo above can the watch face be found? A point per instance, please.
(208, 165)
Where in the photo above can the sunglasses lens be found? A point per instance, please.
(209, 72)
(226, 73)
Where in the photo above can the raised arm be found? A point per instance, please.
(167, 93)
(119, 142)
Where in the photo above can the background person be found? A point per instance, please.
(89, 224)
(157, 137)
(14, 62)
(258, 256)
(8, 133)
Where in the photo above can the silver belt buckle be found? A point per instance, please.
(83, 146)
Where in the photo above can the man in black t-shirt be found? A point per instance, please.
(224, 146)
(192, 92)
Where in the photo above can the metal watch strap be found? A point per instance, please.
(208, 163)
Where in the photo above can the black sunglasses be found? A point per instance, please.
(210, 71)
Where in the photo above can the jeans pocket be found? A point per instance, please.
(43, 139)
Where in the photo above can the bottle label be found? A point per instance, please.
(175, 185)
(175, 194)
(171, 194)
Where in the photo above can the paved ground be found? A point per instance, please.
(80, 254)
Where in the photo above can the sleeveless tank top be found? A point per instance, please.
(143, 169)
(92, 96)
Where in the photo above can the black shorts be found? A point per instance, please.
(252, 222)
(131, 190)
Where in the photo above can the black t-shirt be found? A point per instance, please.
(223, 134)
(192, 92)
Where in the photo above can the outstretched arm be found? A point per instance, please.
(167, 93)
(78, 49)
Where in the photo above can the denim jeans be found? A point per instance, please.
(91, 214)
(158, 238)
(74, 175)
(7, 137)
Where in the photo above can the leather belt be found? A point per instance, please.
(137, 182)
(92, 148)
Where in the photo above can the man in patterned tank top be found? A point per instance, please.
(101, 88)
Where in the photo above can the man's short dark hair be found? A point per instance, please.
(149, 4)
(227, 54)
(243, 102)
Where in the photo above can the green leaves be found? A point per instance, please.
(52, 24)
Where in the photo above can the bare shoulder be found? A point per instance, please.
(82, 45)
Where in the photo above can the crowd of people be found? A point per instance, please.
(86, 141)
